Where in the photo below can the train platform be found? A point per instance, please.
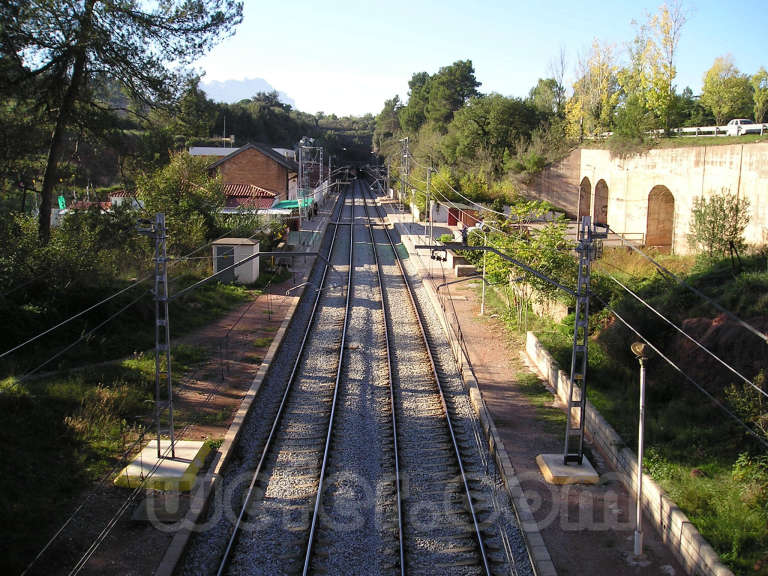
(585, 528)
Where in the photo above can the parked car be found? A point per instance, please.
(739, 126)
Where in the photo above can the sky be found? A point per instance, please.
(348, 57)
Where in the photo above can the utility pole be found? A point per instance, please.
(310, 162)
(386, 182)
(485, 243)
(299, 186)
(157, 231)
(405, 154)
(588, 250)
(429, 205)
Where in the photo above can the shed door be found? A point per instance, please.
(225, 256)
(452, 217)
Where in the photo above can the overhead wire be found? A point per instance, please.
(703, 390)
(669, 275)
(672, 276)
(82, 337)
(105, 300)
(689, 337)
(485, 208)
(119, 513)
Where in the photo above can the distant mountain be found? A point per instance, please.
(231, 91)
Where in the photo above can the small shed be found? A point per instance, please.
(467, 215)
(227, 251)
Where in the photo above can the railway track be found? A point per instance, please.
(369, 465)
(270, 532)
(447, 515)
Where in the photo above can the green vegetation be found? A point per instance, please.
(262, 342)
(542, 399)
(710, 467)
(717, 226)
(64, 431)
(727, 92)
(714, 471)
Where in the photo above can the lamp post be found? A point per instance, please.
(641, 352)
(484, 230)
(485, 243)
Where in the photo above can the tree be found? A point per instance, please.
(665, 27)
(759, 83)
(450, 89)
(547, 97)
(726, 91)
(62, 48)
(188, 196)
(689, 111)
(595, 93)
(197, 113)
(487, 127)
(648, 92)
(413, 115)
(387, 122)
(557, 68)
(718, 224)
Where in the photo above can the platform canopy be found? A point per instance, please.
(293, 204)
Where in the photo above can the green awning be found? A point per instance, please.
(291, 204)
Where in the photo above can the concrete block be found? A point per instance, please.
(165, 473)
(555, 472)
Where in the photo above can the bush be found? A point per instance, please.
(718, 224)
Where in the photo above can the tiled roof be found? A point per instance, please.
(247, 191)
(257, 203)
(85, 205)
(290, 165)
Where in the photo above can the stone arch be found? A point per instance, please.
(601, 202)
(659, 229)
(585, 195)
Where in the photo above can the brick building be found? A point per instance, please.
(260, 166)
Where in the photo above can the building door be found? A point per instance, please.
(585, 196)
(661, 218)
(452, 219)
(225, 256)
(601, 202)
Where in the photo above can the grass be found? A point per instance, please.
(629, 147)
(687, 141)
(262, 342)
(694, 451)
(65, 430)
(542, 399)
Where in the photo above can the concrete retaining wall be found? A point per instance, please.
(677, 532)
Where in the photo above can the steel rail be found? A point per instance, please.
(412, 298)
(246, 502)
(339, 369)
(385, 315)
